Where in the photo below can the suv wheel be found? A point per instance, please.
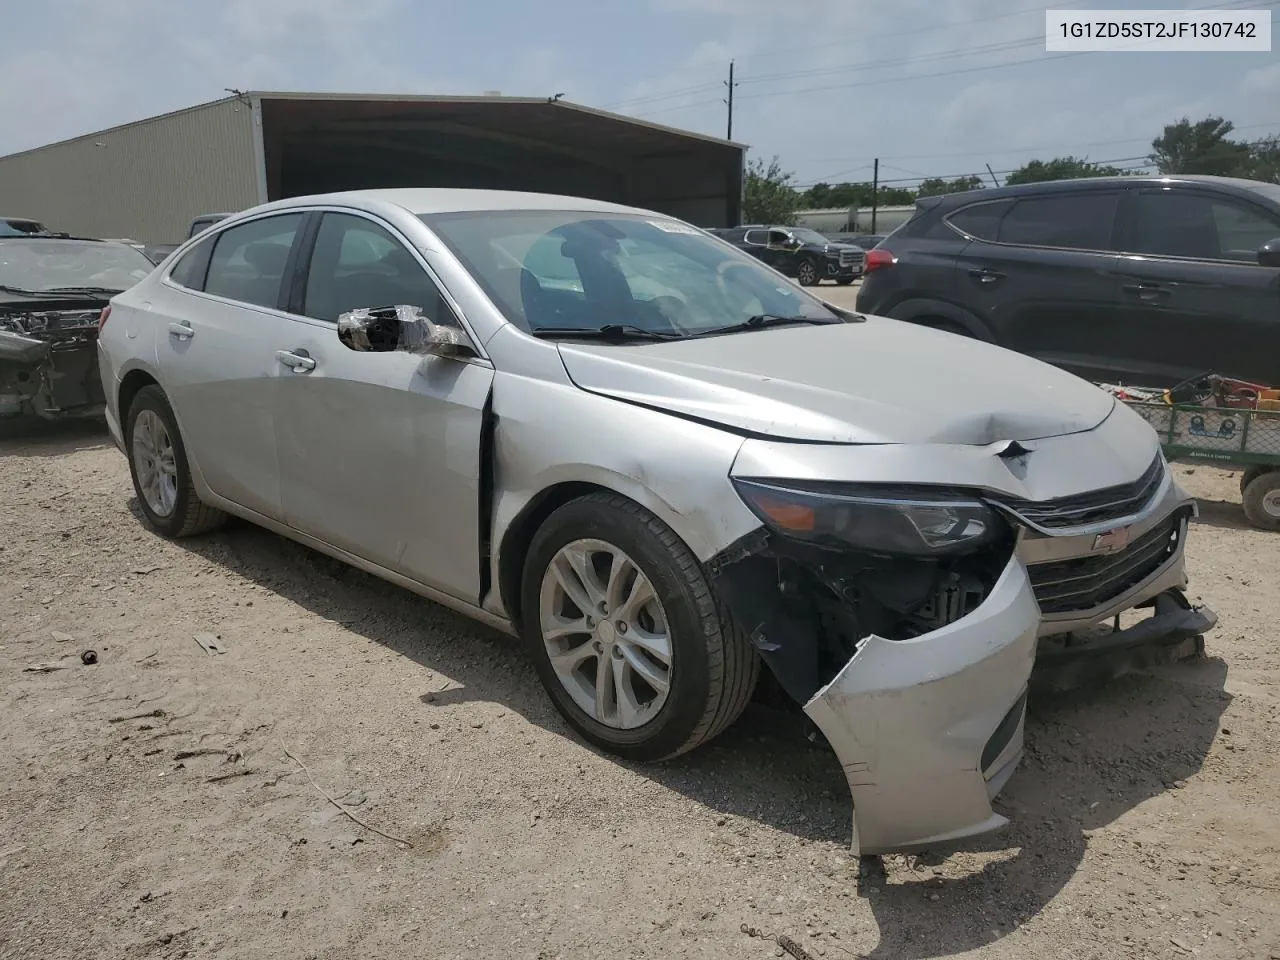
(807, 273)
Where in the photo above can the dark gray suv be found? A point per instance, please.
(1142, 280)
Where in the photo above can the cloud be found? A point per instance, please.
(827, 85)
(1264, 80)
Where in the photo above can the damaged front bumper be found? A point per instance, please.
(48, 364)
(929, 729)
(928, 724)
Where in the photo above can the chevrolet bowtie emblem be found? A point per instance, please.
(1112, 541)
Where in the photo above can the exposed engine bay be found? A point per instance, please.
(49, 362)
(783, 590)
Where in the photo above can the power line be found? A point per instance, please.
(990, 48)
(1135, 163)
(831, 177)
(900, 61)
(1039, 149)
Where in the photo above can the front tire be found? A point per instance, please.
(807, 273)
(626, 635)
(160, 471)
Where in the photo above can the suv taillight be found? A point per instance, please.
(102, 317)
(877, 258)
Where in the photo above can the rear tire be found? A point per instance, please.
(710, 668)
(160, 471)
(1262, 501)
(1251, 474)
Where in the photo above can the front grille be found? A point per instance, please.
(849, 258)
(1097, 506)
(1082, 583)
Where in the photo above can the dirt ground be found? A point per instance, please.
(150, 810)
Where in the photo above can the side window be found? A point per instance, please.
(248, 261)
(190, 270)
(778, 237)
(1079, 221)
(357, 263)
(981, 220)
(1242, 230)
(756, 238)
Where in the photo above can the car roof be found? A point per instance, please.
(1236, 185)
(429, 200)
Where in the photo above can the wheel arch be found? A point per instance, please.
(930, 312)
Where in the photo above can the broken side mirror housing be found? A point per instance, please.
(401, 329)
(1269, 253)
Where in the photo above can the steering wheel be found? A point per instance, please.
(671, 309)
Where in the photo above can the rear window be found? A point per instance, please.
(981, 220)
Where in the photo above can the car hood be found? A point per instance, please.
(881, 381)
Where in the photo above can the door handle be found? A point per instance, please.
(181, 330)
(297, 362)
(1147, 292)
(983, 275)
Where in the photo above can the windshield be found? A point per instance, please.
(11, 227)
(43, 265)
(806, 235)
(562, 270)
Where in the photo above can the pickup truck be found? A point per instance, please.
(158, 251)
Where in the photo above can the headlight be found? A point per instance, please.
(914, 523)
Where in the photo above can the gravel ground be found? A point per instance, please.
(151, 809)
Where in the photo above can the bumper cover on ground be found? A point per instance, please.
(909, 721)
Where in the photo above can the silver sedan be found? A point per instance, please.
(664, 466)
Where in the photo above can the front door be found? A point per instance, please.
(1195, 300)
(380, 452)
(220, 323)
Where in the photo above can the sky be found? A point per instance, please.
(930, 87)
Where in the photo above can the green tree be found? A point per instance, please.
(1202, 147)
(1264, 159)
(1060, 168)
(769, 196)
(935, 186)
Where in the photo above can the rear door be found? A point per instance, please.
(1040, 270)
(1195, 299)
(380, 452)
(220, 322)
(756, 243)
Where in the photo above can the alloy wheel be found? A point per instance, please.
(606, 634)
(155, 463)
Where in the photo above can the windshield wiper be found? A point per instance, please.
(105, 291)
(19, 291)
(618, 332)
(762, 320)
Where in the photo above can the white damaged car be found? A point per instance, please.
(667, 468)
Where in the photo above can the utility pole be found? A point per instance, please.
(731, 84)
(875, 192)
(993, 175)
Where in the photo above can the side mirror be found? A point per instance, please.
(402, 329)
(1269, 253)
